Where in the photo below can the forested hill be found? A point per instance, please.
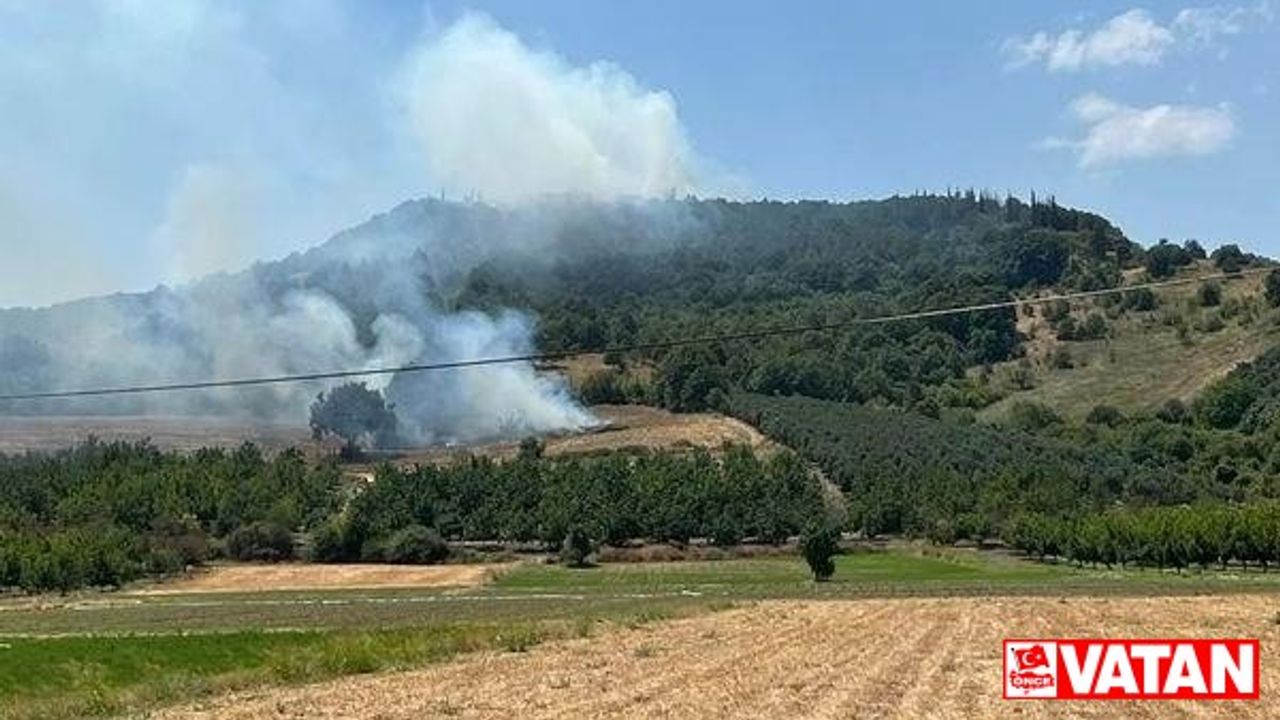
(594, 274)
(745, 266)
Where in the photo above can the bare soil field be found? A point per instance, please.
(309, 576)
(905, 658)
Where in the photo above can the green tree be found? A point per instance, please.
(356, 414)
(262, 541)
(416, 545)
(575, 551)
(819, 544)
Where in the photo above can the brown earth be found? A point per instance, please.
(259, 578)
(907, 658)
(624, 427)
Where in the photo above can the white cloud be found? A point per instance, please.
(1117, 132)
(499, 119)
(1133, 37)
(1205, 25)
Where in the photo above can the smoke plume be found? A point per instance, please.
(489, 118)
(509, 123)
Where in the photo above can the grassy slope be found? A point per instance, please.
(1145, 363)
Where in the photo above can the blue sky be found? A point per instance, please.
(144, 143)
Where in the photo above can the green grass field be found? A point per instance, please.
(103, 655)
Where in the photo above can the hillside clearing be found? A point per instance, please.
(1144, 361)
(314, 576)
(874, 658)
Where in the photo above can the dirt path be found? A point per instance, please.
(316, 576)
(911, 658)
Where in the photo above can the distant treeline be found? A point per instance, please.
(1206, 535)
(103, 514)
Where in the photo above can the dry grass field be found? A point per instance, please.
(624, 427)
(20, 433)
(295, 577)
(896, 658)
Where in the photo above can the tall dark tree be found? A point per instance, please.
(356, 414)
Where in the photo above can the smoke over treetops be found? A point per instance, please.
(522, 129)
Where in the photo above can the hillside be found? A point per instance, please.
(1172, 351)
(437, 281)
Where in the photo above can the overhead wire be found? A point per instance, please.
(542, 357)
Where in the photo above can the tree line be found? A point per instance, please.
(104, 514)
(948, 479)
(1204, 535)
(613, 499)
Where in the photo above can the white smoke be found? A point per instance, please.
(491, 118)
(508, 123)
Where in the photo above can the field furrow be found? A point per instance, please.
(908, 658)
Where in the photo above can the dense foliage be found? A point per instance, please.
(102, 514)
(1248, 398)
(612, 499)
(1162, 537)
(739, 267)
(946, 480)
(355, 413)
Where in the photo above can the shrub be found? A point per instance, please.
(602, 387)
(531, 448)
(1229, 258)
(1032, 416)
(1209, 294)
(1105, 415)
(1273, 288)
(1173, 411)
(416, 545)
(576, 549)
(1141, 300)
(329, 541)
(819, 544)
(1164, 259)
(262, 540)
(176, 542)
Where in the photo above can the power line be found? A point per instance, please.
(636, 347)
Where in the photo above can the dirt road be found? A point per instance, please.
(909, 658)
